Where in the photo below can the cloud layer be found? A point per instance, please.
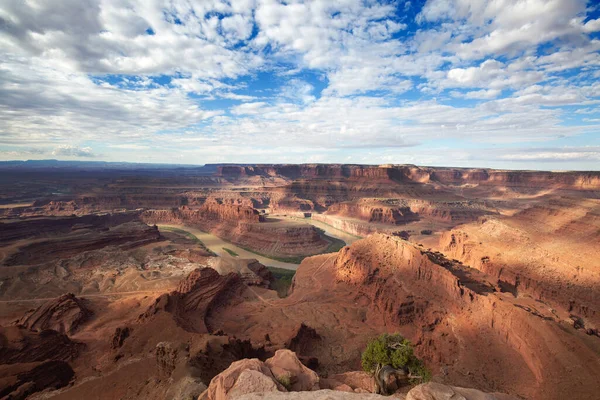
(437, 83)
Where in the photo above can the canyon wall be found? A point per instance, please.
(245, 227)
(415, 174)
(352, 226)
(206, 217)
(451, 311)
(18, 229)
(545, 251)
(374, 212)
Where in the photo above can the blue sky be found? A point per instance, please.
(498, 83)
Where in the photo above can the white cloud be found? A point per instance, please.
(66, 150)
(223, 76)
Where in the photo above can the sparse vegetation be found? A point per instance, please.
(285, 381)
(396, 351)
(231, 252)
(426, 232)
(291, 259)
(335, 244)
(282, 280)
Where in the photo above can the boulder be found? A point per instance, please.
(285, 365)
(222, 384)
(251, 381)
(357, 380)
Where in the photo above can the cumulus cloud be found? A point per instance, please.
(67, 150)
(211, 80)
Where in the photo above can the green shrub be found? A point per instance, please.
(231, 252)
(281, 280)
(396, 351)
(285, 381)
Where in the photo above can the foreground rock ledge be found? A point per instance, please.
(284, 377)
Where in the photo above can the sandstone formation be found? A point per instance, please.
(445, 308)
(415, 174)
(196, 297)
(64, 314)
(375, 211)
(542, 251)
(304, 340)
(437, 391)
(128, 235)
(222, 384)
(283, 372)
(24, 346)
(251, 271)
(496, 286)
(12, 230)
(245, 227)
(20, 383)
(95, 258)
(253, 379)
(119, 337)
(286, 367)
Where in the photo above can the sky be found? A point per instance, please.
(468, 83)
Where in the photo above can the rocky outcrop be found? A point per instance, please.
(283, 372)
(351, 226)
(357, 381)
(43, 227)
(281, 239)
(316, 395)
(438, 391)
(375, 211)
(206, 217)
(64, 314)
(167, 357)
(186, 388)
(18, 345)
(222, 384)
(286, 367)
(284, 377)
(124, 236)
(542, 251)
(428, 391)
(219, 352)
(202, 292)
(410, 286)
(304, 341)
(245, 227)
(118, 338)
(251, 271)
(415, 174)
(50, 375)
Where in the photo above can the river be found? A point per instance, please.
(216, 245)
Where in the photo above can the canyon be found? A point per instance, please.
(107, 289)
